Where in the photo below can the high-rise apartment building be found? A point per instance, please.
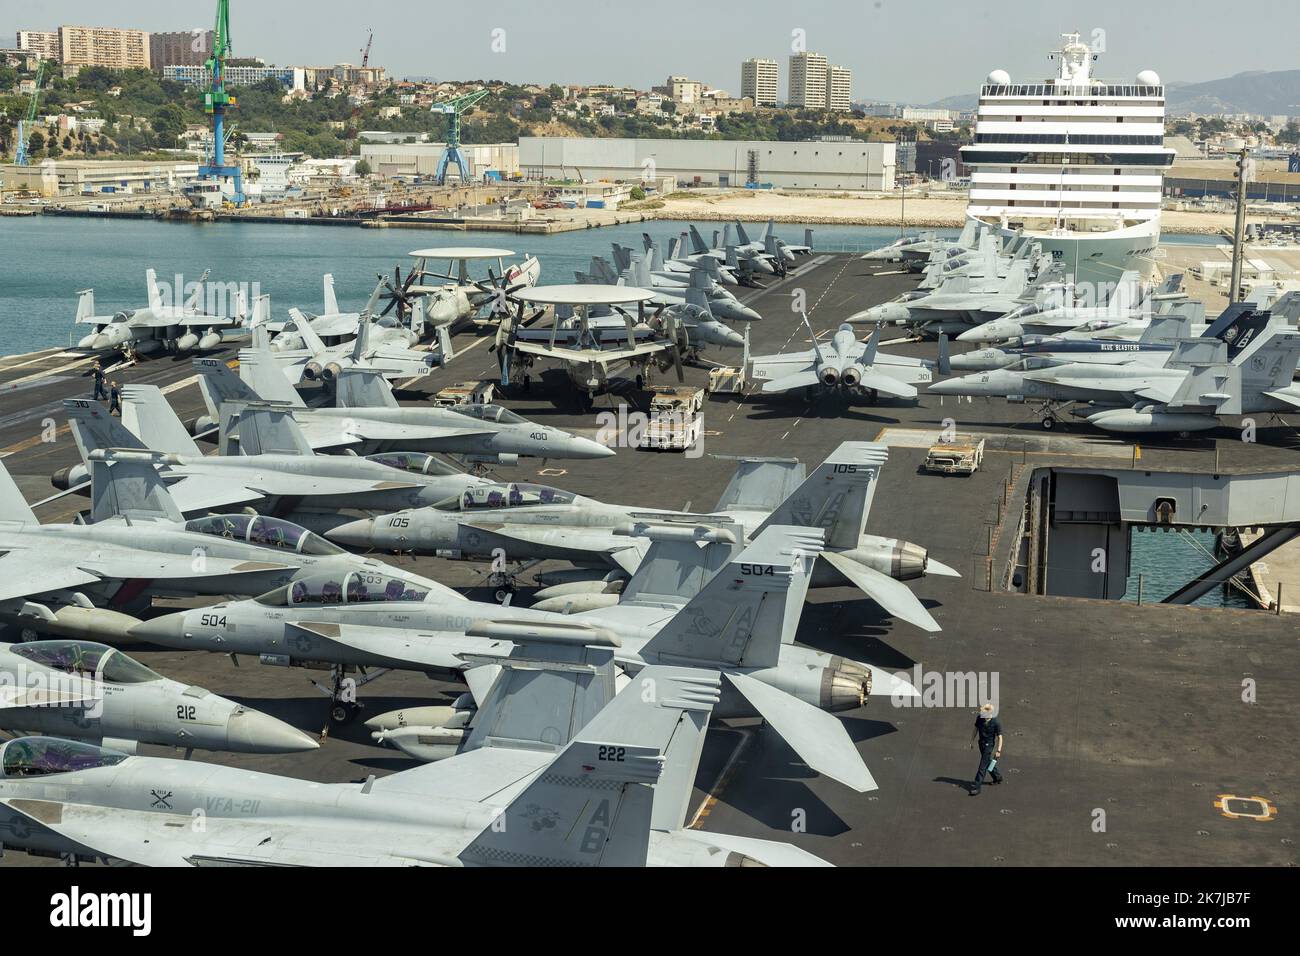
(839, 88)
(808, 81)
(104, 46)
(758, 81)
(179, 48)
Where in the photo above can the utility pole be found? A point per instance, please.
(1244, 169)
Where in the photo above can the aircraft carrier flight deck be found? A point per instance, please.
(1127, 727)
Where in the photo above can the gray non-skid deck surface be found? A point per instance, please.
(1116, 716)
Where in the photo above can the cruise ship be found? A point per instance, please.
(1077, 163)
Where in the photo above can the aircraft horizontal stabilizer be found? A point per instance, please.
(886, 385)
(891, 594)
(817, 737)
(797, 380)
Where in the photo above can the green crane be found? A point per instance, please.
(20, 154)
(452, 109)
(216, 100)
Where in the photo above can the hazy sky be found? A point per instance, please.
(903, 50)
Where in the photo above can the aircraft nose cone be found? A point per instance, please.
(167, 630)
(981, 333)
(585, 448)
(950, 386)
(250, 731)
(355, 534)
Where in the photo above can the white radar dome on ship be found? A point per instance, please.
(1148, 78)
(999, 78)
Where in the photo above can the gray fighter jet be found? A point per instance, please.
(615, 795)
(92, 692)
(742, 621)
(957, 304)
(525, 522)
(276, 470)
(669, 288)
(1128, 302)
(384, 349)
(77, 580)
(1243, 364)
(845, 366)
(1152, 346)
(368, 419)
(157, 326)
(923, 247)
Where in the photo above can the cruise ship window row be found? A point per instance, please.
(1064, 186)
(1071, 139)
(980, 157)
(1075, 204)
(1052, 89)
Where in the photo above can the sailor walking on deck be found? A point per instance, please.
(988, 731)
(97, 371)
(115, 399)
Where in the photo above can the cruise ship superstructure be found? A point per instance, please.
(1076, 162)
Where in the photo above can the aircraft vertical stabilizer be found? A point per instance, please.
(131, 488)
(266, 430)
(94, 428)
(740, 617)
(265, 380)
(837, 496)
(145, 412)
(593, 805)
(13, 506)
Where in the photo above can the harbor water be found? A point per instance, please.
(49, 259)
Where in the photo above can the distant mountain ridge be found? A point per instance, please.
(1266, 92)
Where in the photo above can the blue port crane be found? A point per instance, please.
(452, 109)
(216, 101)
(21, 157)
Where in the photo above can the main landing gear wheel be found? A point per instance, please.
(342, 713)
(1048, 422)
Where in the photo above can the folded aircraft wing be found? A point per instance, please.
(24, 573)
(340, 433)
(153, 839)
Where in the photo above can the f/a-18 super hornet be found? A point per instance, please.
(741, 621)
(81, 580)
(331, 326)
(387, 350)
(844, 366)
(535, 522)
(1244, 363)
(743, 262)
(92, 692)
(960, 301)
(1159, 334)
(614, 795)
(1127, 302)
(670, 288)
(677, 263)
(924, 247)
(156, 326)
(275, 472)
(368, 419)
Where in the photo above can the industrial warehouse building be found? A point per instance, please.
(818, 164)
(421, 159)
